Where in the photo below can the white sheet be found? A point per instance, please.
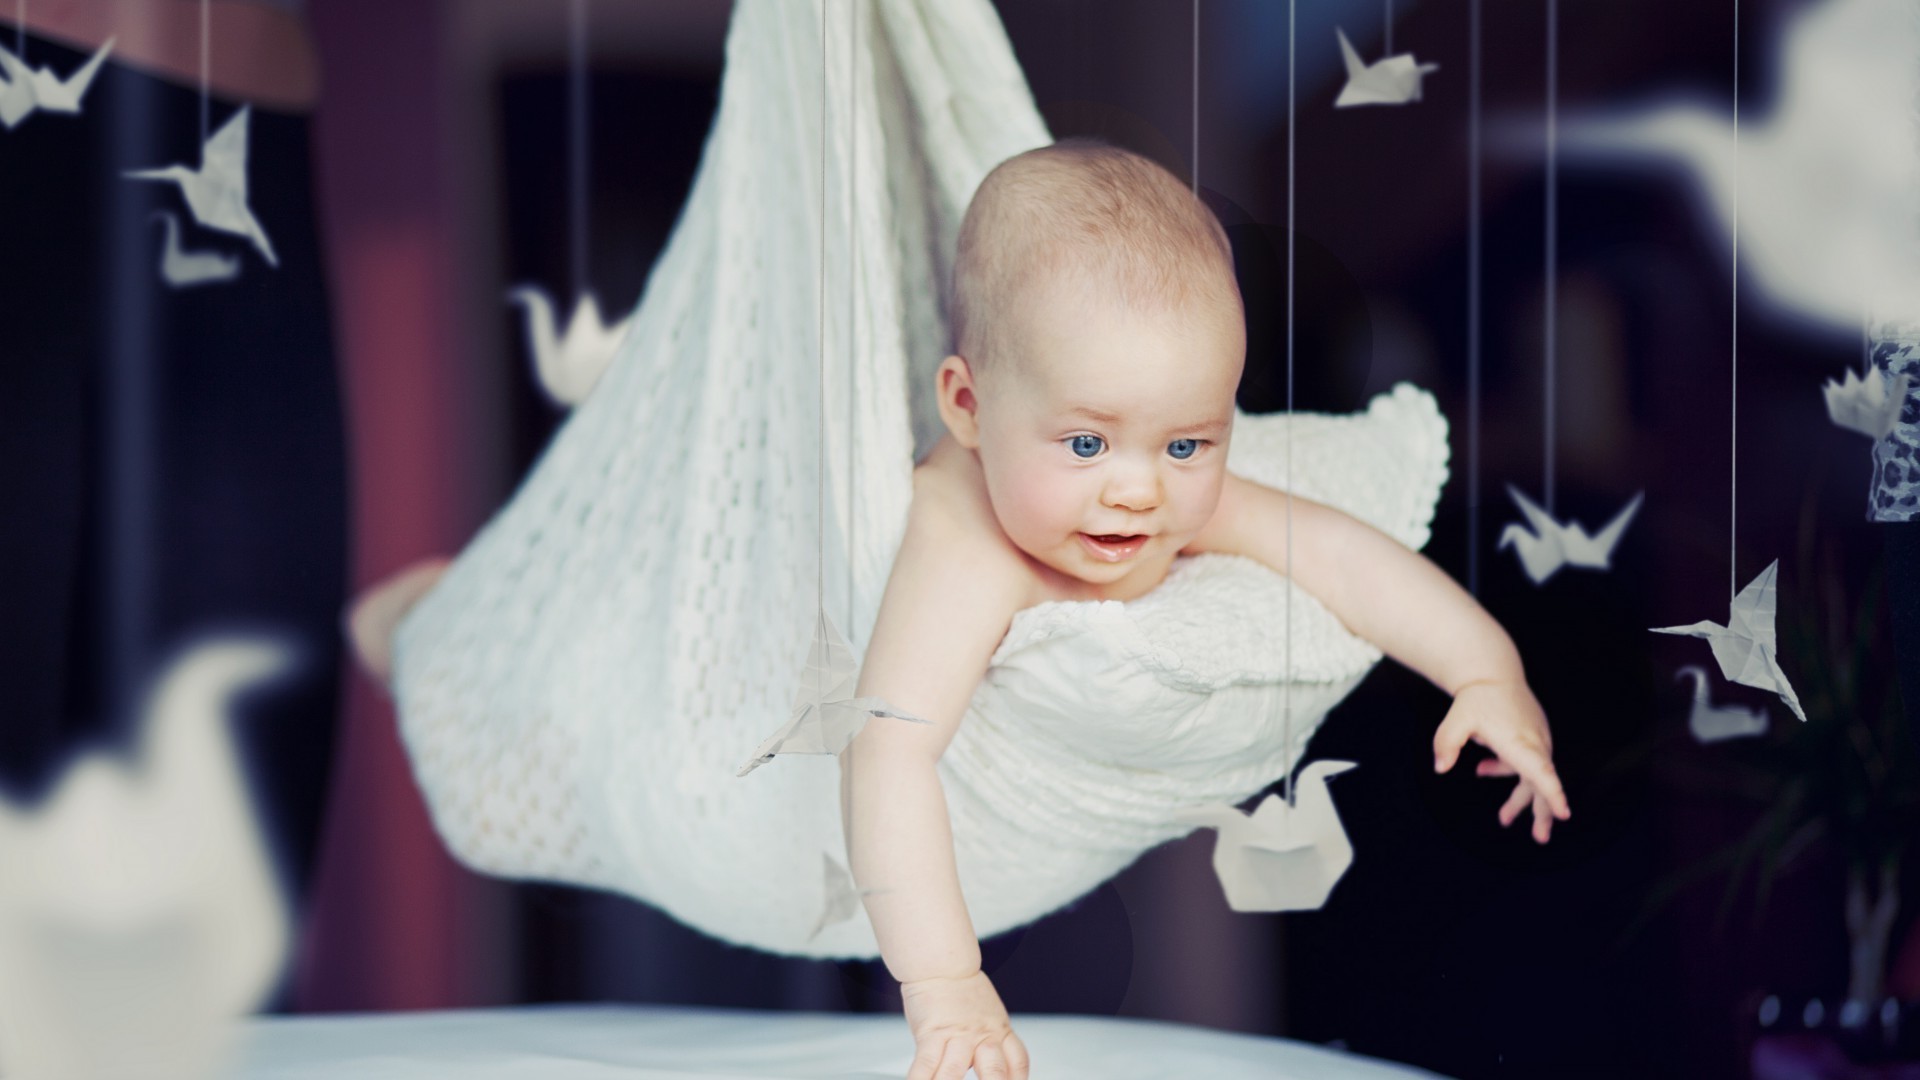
(608, 1042)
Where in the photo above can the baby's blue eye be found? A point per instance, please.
(1075, 442)
(1193, 444)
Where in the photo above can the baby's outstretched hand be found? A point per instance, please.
(960, 1024)
(1504, 717)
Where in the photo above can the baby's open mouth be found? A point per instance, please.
(1114, 548)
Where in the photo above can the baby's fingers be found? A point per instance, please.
(989, 1063)
(1532, 763)
(1516, 802)
(1493, 766)
(1542, 820)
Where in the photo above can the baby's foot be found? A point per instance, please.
(376, 612)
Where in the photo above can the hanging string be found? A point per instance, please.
(1553, 229)
(1286, 693)
(821, 547)
(20, 31)
(206, 65)
(1388, 49)
(577, 142)
(1473, 302)
(853, 280)
(1195, 127)
(1733, 485)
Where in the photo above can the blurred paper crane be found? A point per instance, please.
(28, 88)
(217, 191)
(568, 363)
(183, 269)
(1827, 183)
(1870, 406)
(1281, 857)
(1392, 81)
(1711, 723)
(1745, 646)
(139, 915)
(1551, 545)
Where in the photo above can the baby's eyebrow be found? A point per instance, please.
(1109, 418)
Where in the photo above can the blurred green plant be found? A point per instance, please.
(1847, 777)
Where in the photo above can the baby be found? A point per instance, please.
(1099, 339)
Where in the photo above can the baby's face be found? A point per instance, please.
(1150, 464)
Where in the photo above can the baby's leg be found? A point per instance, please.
(376, 612)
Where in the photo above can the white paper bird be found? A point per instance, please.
(184, 269)
(16, 90)
(1870, 406)
(826, 715)
(217, 191)
(1551, 545)
(39, 88)
(1280, 858)
(568, 363)
(1392, 81)
(1745, 646)
(1712, 723)
(139, 916)
(842, 898)
(1824, 188)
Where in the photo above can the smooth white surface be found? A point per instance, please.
(603, 1042)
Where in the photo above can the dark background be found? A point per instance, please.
(440, 162)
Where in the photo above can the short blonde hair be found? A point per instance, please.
(1089, 212)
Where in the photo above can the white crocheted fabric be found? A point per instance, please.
(578, 691)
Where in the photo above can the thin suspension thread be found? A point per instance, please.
(1553, 235)
(1387, 48)
(1195, 127)
(1733, 457)
(1473, 304)
(1287, 683)
(577, 142)
(206, 66)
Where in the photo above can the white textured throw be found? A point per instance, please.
(579, 690)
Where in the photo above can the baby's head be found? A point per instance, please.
(1099, 339)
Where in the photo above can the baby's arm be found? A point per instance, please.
(1403, 603)
(949, 599)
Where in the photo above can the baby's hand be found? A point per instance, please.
(1503, 716)
(960, 1022)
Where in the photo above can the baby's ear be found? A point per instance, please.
(954, 391)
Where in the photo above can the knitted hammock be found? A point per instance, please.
(578, 692)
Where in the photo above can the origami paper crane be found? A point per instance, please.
(569, 363)
(184, 269)
(1745, 646)
(1870, 406)
(139, 915)
(826, 715)
(1712, 723)
(842, 899)
(1392, 81)
(1280, 858)
(1552, 545)
(28, 88)
(217, 191)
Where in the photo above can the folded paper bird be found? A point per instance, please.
(140, 916)
(1870, 406)
(29, 89)
(217, 191)
(568, 363)
(1712, 723)
(1552, 545)
(1745, 646)
(826, 715)
(1281, 857)
(184, 269)
(1392, 81)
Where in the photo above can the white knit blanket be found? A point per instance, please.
(579, 690)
